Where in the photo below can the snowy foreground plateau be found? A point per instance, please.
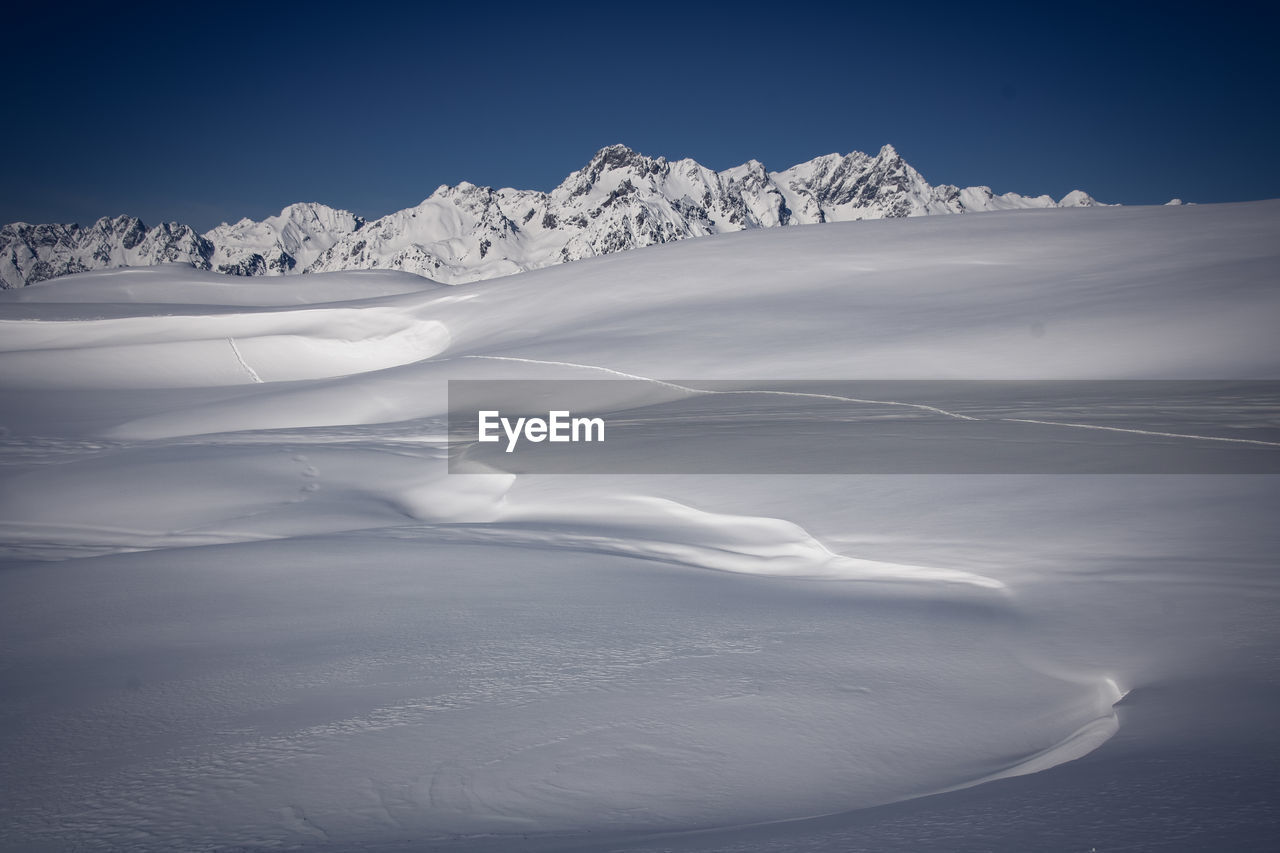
(245, 606)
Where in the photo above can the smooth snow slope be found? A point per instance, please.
(244, 605)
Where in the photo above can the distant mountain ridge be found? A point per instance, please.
(620, 200)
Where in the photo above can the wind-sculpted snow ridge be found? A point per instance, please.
(217, 349)
(253, 494)
(620, 200)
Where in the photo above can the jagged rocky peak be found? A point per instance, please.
(622, 157)
(130, 228)
(610, 159)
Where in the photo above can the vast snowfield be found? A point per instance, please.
(244, 605)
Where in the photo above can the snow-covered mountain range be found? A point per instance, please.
(620, 200)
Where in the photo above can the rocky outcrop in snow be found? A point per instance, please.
(31, 253)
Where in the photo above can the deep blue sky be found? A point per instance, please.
(204, 113)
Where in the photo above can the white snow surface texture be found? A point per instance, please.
(243, 604)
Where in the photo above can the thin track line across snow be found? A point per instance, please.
(1146, 432)
(921, 406)
(807, 394)
(253, 374)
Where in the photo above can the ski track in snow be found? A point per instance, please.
(253, 374)
(677, 387)
(1146, 432)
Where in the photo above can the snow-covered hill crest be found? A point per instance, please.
(620, 200)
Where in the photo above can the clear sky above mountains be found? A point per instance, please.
(210, 113)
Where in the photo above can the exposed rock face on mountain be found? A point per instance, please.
(31, 253)
(279, 244)
(620, 200)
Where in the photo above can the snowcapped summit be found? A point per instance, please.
(1077, 198)
(620, 199)
(612, 160)
(280, 244)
